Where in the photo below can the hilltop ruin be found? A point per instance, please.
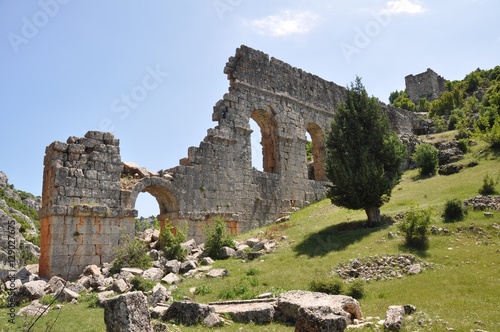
(89, 194)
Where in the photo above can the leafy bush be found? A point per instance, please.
(171, 239)
(427, 158)
(463, 145)
(328, 285)
(357, 289)
(141, 284)
(132, 253)
(216, 238)
(454, 210)
(202, 290)
(91, 299)
(488, 187)
(415, 227)
(48, 299)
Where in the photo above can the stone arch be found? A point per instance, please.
(164, 193)
(318, 143)
(269, 139)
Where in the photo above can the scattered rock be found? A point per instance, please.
(217, 273)
(35, 308)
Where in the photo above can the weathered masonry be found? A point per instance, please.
(89, 194)
(428, 85)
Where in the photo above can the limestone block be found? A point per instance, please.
(187, 313)
(127, 312)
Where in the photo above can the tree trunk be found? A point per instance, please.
(373, 214)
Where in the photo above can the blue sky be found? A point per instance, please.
(151, 71)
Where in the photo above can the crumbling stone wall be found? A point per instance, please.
(82, 216)
(428, 85)
(85, 181)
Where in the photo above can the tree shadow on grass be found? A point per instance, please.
(337, 237)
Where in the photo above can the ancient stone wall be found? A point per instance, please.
(85, 181)
(81, 214)
(428, 85)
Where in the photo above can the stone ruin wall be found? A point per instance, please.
(89, 194)
(428, 85)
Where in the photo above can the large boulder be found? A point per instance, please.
(290, 302)
(319, 319)
(187, 313)
(30, 291)
(127, 312)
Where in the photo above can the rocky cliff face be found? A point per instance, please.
(19, 225)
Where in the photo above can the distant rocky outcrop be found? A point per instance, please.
(18, 224)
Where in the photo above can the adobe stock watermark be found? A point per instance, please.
(223, 6)
(364, 36)
(30, 27)
(123, 105)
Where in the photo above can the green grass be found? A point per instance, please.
(460, 292)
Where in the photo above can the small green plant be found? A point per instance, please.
(488, 187)
(48, 299)
(132, 253)
(329, 285)
(203, 290)
(357, 289)
(91, 299)
(454, 210)
(427, 158)
(141, 284)
(252, 272)
(415, 227)
(463, 145)
(216, 238)
(172, 238)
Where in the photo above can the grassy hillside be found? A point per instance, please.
(461, 291)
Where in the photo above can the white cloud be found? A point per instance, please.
(285, 24)
(404, 7)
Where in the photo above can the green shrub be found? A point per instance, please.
(48, 299)
(216, 238)
(91, 299)
(171, 239)
(141, 284)
(132, 253)
(454, 210)
(463, 145)
(415, 227)
(329, 285)
(357, 289)
(202, 290)
(252, 272)
(427, 158)
(488, 187)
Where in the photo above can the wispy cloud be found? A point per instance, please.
(285, 24)
(404, 7)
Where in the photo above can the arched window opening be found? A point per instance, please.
(315, 151)
(256, 148)
(148, 210)
(268, 135)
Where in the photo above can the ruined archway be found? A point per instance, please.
(161, 190)
(268, 129)
(318, 151)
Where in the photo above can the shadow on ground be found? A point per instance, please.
(337, 237)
